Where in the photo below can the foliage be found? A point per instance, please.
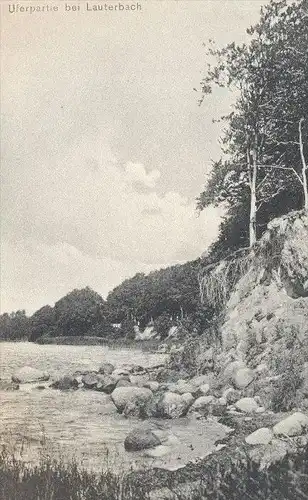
(14, 326)
(42, 322)
(162, 325)
(288, 354)
(172, 291)
(127, 329)
(226, 475)
(284, 393)
(55, 480)
(269, 79)
(79, 311)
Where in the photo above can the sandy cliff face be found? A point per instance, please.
(260, 340)
(268, 308)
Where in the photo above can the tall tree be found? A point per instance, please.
(79, 312)
(263, 146)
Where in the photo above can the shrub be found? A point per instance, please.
(162, 325)
(127, 329)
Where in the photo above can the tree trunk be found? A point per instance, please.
(182, 312)
(253, 198)
(304, 165)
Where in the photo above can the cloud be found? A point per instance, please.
(136, 173)
(104, 146)
(79, 220)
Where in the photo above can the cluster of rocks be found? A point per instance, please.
(294, 425)
(135, 392)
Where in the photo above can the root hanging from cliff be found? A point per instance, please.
(219, 279)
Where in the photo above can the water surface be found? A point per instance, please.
(83, 424)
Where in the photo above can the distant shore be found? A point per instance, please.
(151, 344)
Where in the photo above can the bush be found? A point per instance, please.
(162, 325)
(227, 475)
(127, 329)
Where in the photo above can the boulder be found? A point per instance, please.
(202, 404)
(28, 374)
(188, 398)
(243, 377)
(270, 454)
(218, 407)
(106, 369)
(8, 386)
(261, 369)
(230, 370)
(65, 383)
(247, 405)
(231, 395)
(261, 409)
(199, 380)
(203, 390)
(152, 385)
(123, 382)
(135, 409)
(140, 439)
(139, 380)
(106, 384)
(120, 372)
(182, 387)
(264, 435)
(294, 425)
(137, 369)
(173, 405)
(123, 395)
(90, 380)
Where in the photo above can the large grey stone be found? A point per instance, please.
(90, 380)
(243, 377)
(264, 435)
(106, 369)
(294, 425)
(8, 386)
(141, 439)
(123, 395)
(27, 374)
(152, 385)
(139, 380)
(231, 395)
(247, 405)
(199, 380)
(65, 383)
(106, 384)
(230, 370)
(202, 404)
(173, 405)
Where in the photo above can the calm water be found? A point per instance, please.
(82, 424)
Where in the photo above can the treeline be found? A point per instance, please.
(163, 298)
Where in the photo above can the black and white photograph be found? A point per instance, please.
(154, 250)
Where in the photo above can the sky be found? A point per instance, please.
(104, 148)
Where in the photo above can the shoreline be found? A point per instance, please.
(148, 345)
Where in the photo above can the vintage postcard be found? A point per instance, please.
(154, 250)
